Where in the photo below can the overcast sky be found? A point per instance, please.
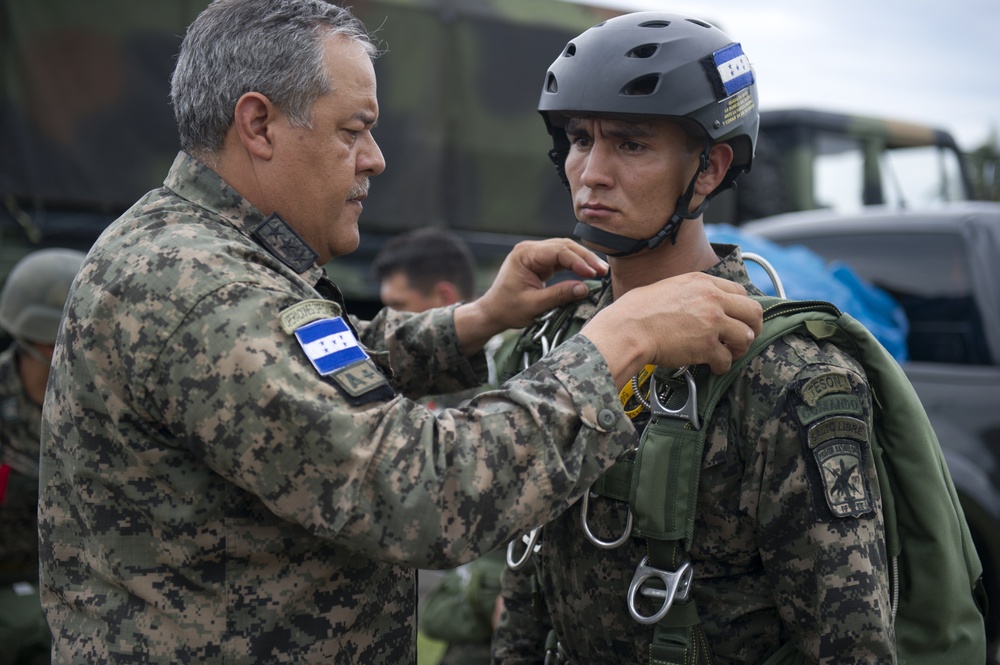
(931, 62)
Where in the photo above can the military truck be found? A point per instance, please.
(809, 159)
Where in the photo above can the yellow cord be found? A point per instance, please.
(626, 394)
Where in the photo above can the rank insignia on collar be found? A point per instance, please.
(279, 238)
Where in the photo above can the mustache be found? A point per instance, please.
(359, 190)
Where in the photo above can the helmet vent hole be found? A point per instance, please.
(701, 23)
(654, 24)
(642, 86)
(570, 50)
(551, 84)
(644, 51)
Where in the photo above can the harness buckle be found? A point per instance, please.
(532, 546)
(677, 585)
(689, 411)
(603, 544)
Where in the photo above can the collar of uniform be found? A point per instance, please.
(192, 180)
(731, 266)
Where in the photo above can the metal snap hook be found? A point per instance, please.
(689, 411)
(530, 539)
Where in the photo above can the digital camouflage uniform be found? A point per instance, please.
(207, 496)
(772, 560)
(24, 636)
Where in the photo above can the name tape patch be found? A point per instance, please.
(830, 405)
(824, 384)
(329, 345)
(307, 311)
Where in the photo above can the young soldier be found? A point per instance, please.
(651, 115)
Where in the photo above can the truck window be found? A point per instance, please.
(838, 173)
(921, 176)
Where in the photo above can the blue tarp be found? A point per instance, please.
(806, 276)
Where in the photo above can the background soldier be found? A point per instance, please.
(425, 268)
(31, 304)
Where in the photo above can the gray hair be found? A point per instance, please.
(274, 47)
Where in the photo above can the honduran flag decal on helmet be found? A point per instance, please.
(729, 70)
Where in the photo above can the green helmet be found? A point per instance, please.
(34, 294)
(656, 64)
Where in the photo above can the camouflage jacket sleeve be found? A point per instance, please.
(384, 477)
(423, 351)
(810, 487)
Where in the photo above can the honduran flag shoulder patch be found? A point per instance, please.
(330, 345)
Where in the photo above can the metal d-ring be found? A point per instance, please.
(603, 544)
(530, 539)
(677, 586)
(689, 411)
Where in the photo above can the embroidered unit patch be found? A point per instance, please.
(329, 345)
(844, 485)
(837, 446)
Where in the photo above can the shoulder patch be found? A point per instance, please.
(838, 445)
(842, 469)
(847, 404)
(359, 378)
(329, 345)
(824, 384)
(840, 427)
(307, 311)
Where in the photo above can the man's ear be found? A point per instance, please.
(445, 293)
(252, 120)
(720, 158)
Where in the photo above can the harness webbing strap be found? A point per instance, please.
(616, 482)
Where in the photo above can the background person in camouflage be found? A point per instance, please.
(228, 474)
(774, 558)
(425, 268)
(31, 304)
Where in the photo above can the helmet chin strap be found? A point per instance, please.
(625, 246)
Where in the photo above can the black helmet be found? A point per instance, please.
(648, 64)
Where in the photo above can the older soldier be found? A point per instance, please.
(230, 470)
(31, 305)
(670, 123)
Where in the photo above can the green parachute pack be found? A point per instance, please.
(938, 599)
